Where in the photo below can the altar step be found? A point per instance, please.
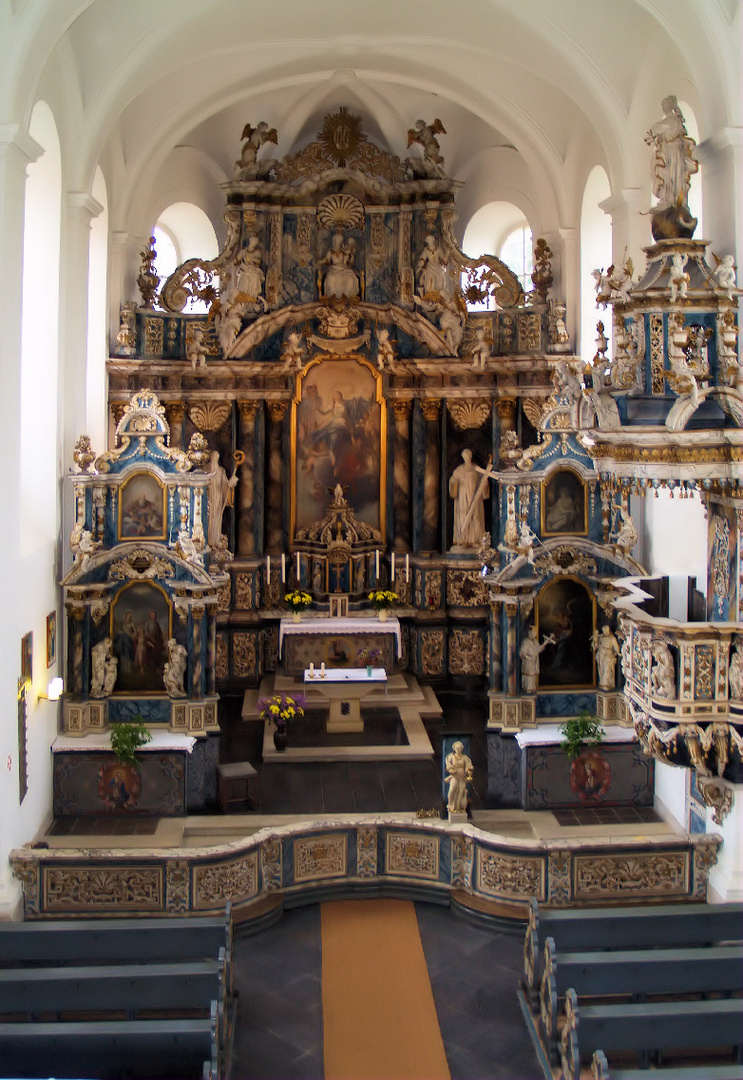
(402, 692)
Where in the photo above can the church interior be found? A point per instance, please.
(375, 510)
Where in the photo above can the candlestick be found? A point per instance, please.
(392, 569)
(407, 568)
(268, 569)
(283, 566)
(376, 563)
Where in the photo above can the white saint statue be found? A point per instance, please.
(221, 494)
(459, 770)
(468, 486)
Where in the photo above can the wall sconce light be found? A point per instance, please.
(54, 690)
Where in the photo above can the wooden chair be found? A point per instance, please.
(236, 782)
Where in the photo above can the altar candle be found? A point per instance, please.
(268, 569)
(392, 568)
(283, 566)
(376, 563)
(297, 568)
(407, 568)
(322, 667)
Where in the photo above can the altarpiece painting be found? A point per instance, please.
(141, 620)
(338, 435)
(142, 510)
(566, 610)
(564, 505)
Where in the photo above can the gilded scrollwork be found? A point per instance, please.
(231, 881)
(271, 865)
(209, 415)
(176, 886)
(462, 861)
(244, 591)
(469, 413)
(432, 652)
(366, 851)
(466, 652)
(222, 664)
(244, 654)
(559, 877)
(642, 873)
(514, 877)
(319, 857)
(466, 588)
(413, 856)
(98, 888)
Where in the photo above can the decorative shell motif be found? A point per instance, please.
(341, 212)
(209, 415)
(469, 414)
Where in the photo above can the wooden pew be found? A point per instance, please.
(646, 1027)
(112, 1049)
(133, 989)
(600, 1071)
(111, 941)
(588, 929)
(636, 972)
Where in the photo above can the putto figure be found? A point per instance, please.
(255, 138)
(425, 135)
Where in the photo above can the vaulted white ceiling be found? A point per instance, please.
(532, 93)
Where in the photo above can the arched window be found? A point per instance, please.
(40, 339)
(183, 231)
(502, 229)
(595, 252)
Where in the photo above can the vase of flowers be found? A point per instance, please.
(280, 709)
(369, 658)
(383, 599)
(297, 601)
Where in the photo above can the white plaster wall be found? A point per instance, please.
(675, 541)
(671, 784)
(726, 877)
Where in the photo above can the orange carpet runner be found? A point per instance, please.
(379, 1016)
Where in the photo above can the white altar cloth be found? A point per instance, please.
(549, 735)
(161, 740)
(355, 625)
(344, 688)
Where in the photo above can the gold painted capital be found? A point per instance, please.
(248, 409)
(198, 613)
(175, 412)
(431, 408)
(118, 409)
(277, 410)
(507, 412)
(401, 409)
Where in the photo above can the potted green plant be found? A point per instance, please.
(280, 709)
(297, 600)
(590, 773)
(126, 739)
(382, 600)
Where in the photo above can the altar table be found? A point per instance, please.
(338, 643)
(344, 688)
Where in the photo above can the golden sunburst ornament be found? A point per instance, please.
(341, 136)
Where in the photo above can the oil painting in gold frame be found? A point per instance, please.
(566, 610)
(142, 508)
(564, 504)
(339, 436)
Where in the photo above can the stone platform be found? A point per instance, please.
(402, 692)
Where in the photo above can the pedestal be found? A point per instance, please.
(345, 689)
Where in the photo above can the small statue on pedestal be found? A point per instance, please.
(459, 770)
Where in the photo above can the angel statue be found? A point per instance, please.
(255, 138)
(425, 135)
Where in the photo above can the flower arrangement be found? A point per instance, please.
(298, 599)
(369, 657)
(383, 598)
(281, 708)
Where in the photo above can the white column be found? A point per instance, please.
(565, 247)
(17, 151)
(80, 208)
(631, 225)
(721, 160)
(726, 877)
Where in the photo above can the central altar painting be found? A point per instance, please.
(339, 436)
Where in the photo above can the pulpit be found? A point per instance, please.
(345, 688)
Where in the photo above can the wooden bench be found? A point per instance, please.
(190, 986)
(646, 1027)
(112, 1049)
(600, 1071)
(118, 941)
(636, 972)
(240, 775)
(588, 929)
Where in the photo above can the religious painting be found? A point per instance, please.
(566, 613)
(27, 657)
(141, 620)
(142, 508)
(338, 438)
(564, 504)
(51, 638)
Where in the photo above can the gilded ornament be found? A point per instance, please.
(209, 415)
(469, 413)
(342, 211)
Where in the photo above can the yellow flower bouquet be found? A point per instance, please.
(383, 598)
(298, 599)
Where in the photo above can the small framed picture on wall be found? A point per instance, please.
(27, 657)
(51, 638)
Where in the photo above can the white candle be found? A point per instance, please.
(407, 568)
(283, 566)
(297, 568)
(392, 568)
(376, 562)
(268, 569)
(322, 666)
